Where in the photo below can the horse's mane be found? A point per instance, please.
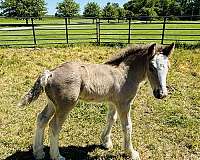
(133, 50)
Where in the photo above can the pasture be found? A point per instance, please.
(52, 30)
(162, 129)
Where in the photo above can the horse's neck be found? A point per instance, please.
(136, 69)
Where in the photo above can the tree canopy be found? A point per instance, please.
(110, 10)
(163, 7)
(92, 9)
(67, 8)
(121, 12)
(113, 11)
(23, 8)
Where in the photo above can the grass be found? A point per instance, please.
(43, 36)
(162, 129)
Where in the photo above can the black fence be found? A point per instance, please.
(51, 30)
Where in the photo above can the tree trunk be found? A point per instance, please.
(26, 20)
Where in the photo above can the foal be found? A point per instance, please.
(116, 81)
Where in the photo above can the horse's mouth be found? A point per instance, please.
(159, 94)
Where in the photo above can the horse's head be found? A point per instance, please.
(158, 68)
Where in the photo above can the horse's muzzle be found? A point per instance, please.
(159, 94)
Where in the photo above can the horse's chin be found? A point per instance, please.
(160, 97)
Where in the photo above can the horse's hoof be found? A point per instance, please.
(135, 155)
(39, 155)
(59, 158)
(107, 145)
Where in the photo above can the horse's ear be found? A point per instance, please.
(152, 49)
(169, 50)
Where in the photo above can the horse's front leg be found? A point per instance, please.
(124, 114)
(106, 134)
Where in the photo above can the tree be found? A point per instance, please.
(189, 7)
(23, 8)
(92, 9)
(110, 11)
(67, 8)
(149, 13)
(121, 13)
(134, 6)
(196, 7)
(165, 7)
(185, 7)
(128, 14)
(142, 7)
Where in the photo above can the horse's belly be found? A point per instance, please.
(96, 96)
(93, 99)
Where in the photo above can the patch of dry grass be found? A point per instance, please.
(163, 129)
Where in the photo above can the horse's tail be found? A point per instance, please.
(36, 90)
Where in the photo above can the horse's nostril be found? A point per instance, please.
(162, 96)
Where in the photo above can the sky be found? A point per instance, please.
(51, 4)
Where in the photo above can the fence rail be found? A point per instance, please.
(63, 31)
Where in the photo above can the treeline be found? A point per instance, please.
(163, 7)
(69, 8)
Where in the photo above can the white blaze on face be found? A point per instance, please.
(160, 62)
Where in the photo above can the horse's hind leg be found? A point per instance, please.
(124, 114)
(55, 126)
(106, 134)
(42, 120)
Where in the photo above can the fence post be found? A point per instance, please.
(98, 31)
(129, 31)
(33, 28)
(66, 31)
(163, 30)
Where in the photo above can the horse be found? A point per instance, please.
(116, 82)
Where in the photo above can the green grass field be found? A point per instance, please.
(162, 129)
(49, 36)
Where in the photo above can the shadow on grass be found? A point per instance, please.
(70, 153)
